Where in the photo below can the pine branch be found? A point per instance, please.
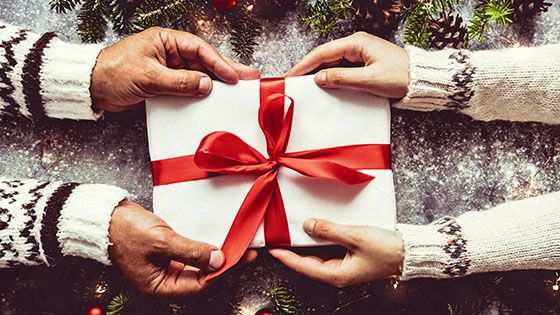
(122, 13)
(92, 22)
(62, 6)
(417, 19)
(284, 301)
(159, 12)
(324, 16)
(118, 303)
(244, 29)
(487, 12)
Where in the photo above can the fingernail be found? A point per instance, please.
(309, 225)
(321, 78)
(216, 260)
(204, 85)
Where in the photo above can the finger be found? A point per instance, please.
(180, 280)
(313, 267)
(333, 232)
(194, 253)
(245, 72)
(181, 82)
(348, 78)
(193, 47)
(249, 256)
(344, 48)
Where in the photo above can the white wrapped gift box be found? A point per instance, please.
(205, 209)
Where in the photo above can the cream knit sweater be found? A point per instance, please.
(521, 84)
(42, 77)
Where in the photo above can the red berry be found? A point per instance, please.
(96, 310)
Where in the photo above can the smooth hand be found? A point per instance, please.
(154, 258)
(372, 254)
(385, 70)
(159, 61)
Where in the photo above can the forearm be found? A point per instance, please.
(41, 76)
(515, 235)
(41, 221)
(518, 84)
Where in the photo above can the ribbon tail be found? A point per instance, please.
(247, 221)
(326, 170)
(276, 231)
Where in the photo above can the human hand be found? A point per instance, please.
(385, 72)
(154, 62)
(372, 253)
(154, 258)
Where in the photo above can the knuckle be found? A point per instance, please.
(362, 35)
(188, 83)
(159, 239)
(322, 229)
(339, 281)
(334, 77)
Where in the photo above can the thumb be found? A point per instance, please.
(348, 78)
(182, 82)
(194, 253)
(330, 231)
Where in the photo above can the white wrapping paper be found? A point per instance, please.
(204, 209)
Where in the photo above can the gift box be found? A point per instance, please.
(246, 165)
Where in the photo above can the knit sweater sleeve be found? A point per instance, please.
(42, 76)
(517, 84)
(41, 221)
(516, 235)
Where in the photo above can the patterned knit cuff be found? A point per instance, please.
(439, 80)
(83, 225)
(437, 250)
(64, 78)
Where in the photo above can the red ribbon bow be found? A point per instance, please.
(224, 153)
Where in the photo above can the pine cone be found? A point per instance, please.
(448, 32)
(526, 9)
(378, 17)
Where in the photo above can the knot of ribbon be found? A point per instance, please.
(225, 153)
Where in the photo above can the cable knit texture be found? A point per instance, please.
(517, 84)
(41, 221)
(43, 76)
(512, 236)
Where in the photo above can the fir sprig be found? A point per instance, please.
(418, 17)
(122, 12)
(284, 301)
(487, 12)
(92, 21)
(159, 12)
(118, 303)
(244, 29)
(62, 6)
(324, 16)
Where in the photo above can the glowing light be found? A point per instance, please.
(395, 284)
(555, 287)
(200, 22)
(250, 7)
(100, 289)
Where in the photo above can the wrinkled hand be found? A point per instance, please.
(154, 258)
(372, 254)
(385, 72)
(159, 61)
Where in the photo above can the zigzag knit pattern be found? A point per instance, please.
(42, 76)
(517, 84)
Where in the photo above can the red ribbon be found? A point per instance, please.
(224, 153)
